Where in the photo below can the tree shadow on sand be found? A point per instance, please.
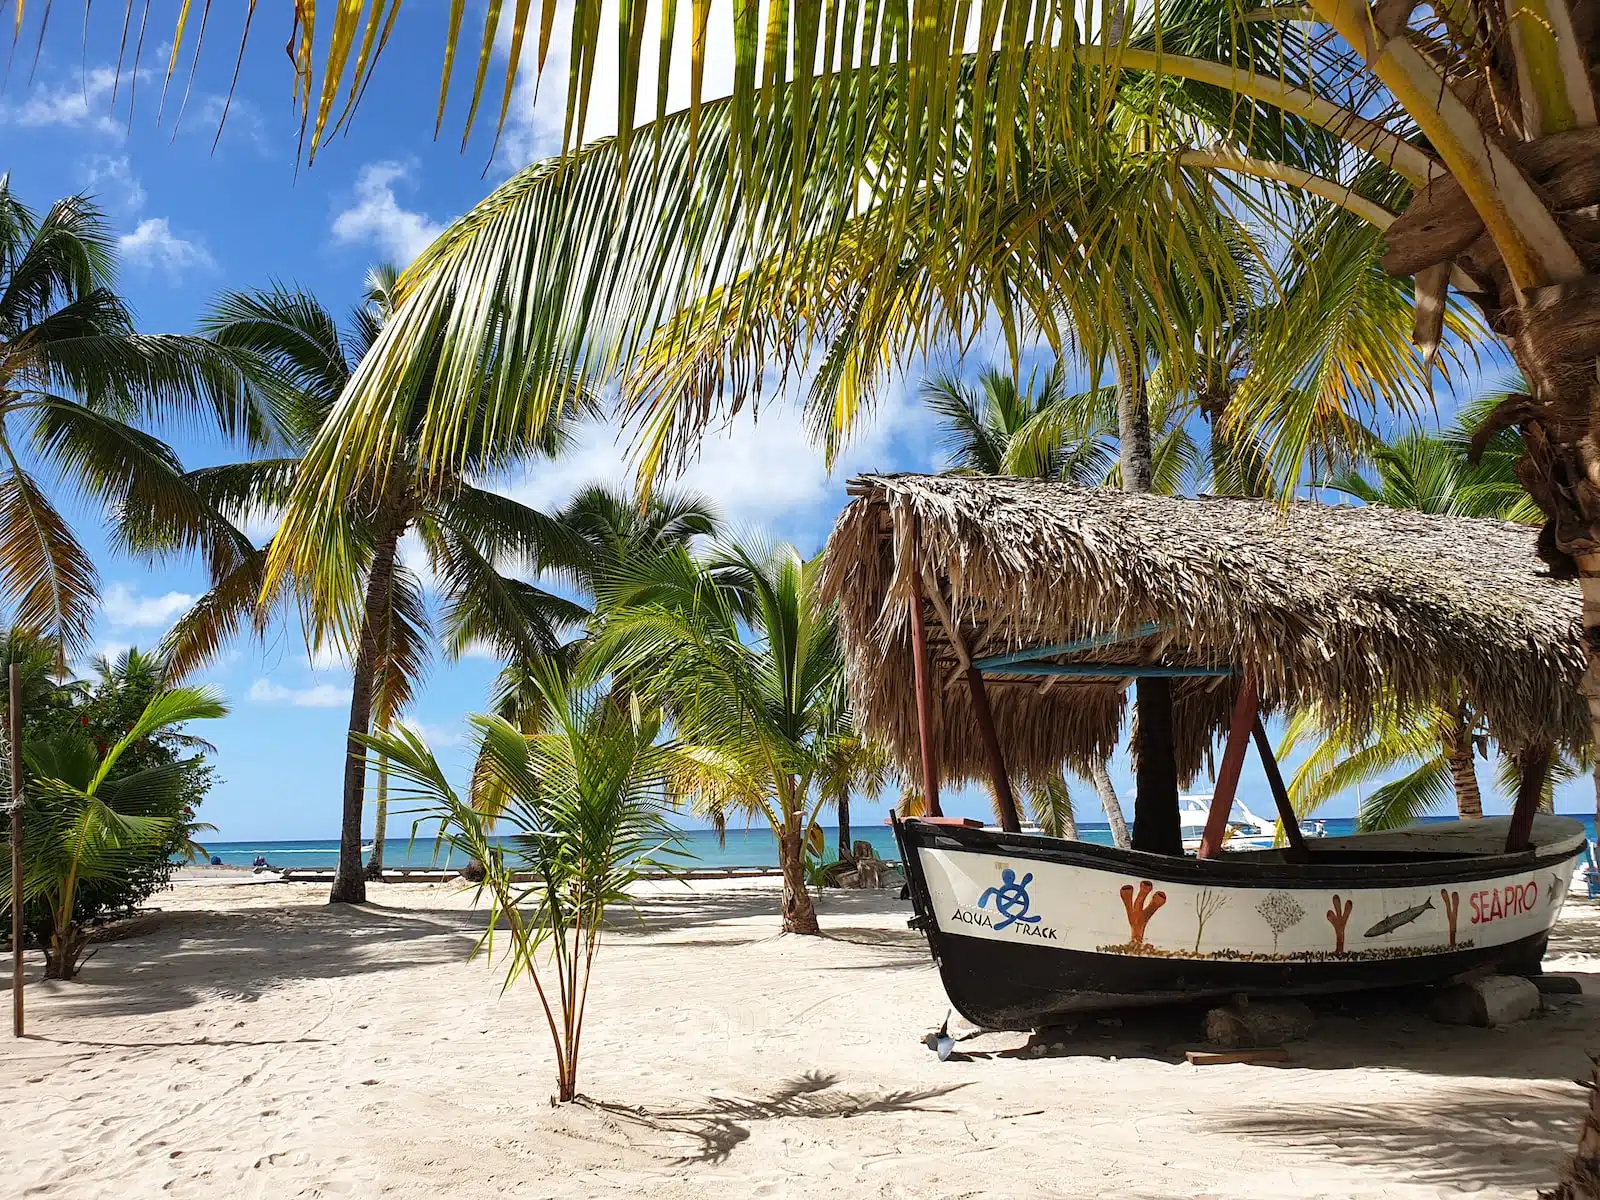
(1512, 1142)
(194, 957)
(719, 1125)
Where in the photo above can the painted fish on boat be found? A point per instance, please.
(1403, 917)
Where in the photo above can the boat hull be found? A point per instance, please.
(1028, 930)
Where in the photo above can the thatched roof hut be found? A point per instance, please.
(1339, 606)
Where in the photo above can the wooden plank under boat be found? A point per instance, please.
(1028, 929)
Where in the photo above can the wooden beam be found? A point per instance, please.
(1113, 671)
(1280, 794)
(1533, 764)
(1010, 821)
(1239, 730)
(920, 672)
(1094, 642)
(1157, 828)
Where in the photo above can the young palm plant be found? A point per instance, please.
(81, 825)
(372, 603)
(757, 719)
(585, 798)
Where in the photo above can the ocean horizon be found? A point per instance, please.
(753, 847)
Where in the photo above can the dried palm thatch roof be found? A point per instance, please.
(1346, 607)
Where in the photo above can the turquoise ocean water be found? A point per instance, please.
(698, 848)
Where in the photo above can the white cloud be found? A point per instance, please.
(322, 695)
(155, 246)
(329, 657)
(376, 217)
(437, 737)
(81, 103)
(125, 610)
(534, 126)
(759, 470)
(110, 178)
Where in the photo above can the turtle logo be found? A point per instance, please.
(1010, 899)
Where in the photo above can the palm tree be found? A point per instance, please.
(74, 375)
(1438, 743)
(372, 601)
(758, 721)
(587, 793)
(84, 824)
(852, 763)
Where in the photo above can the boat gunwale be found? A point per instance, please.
(1229, 869)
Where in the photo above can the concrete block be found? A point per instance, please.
(1497, 1000)
(1243, 1025)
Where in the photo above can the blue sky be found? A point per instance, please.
(193, 220)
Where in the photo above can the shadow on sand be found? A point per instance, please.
(193, 957)
(717, 1127)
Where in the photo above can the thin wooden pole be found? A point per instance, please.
(921, 672)
(14, 712)
(1533, 763)
(1239, 730)
(984, 715)
(1280, 794)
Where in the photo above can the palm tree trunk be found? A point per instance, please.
(380, 821)
(844, 826)
(1133, 430)
(1156, 824)
(799, 915)
(1458, 750)
(350, 881)
(1112, 806)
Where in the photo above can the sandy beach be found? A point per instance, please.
(257, 1043)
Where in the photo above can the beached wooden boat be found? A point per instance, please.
(994, 627)
(1028, 929)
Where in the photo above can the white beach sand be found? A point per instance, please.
(261, 1044)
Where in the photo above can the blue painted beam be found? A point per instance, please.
(1109, 670)
(1094, 642)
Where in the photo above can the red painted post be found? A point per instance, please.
(1010, 821)
(921, 671)
(1244, 716)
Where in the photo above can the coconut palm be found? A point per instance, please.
(853, 764)
(85, 824)
(369, 601)
(74, 376)
(586, 793)
(758, 720)
(1436, 745)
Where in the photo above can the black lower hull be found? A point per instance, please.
(999, 986)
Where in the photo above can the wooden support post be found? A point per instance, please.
(922, 671)
(1244, 717)
(14, 713)
(1533, 764)
(1157, 827)
(984, 715)
(1280, 794)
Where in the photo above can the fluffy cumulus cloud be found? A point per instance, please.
(376, 217)
(74, 103)
(321, 695)
(154, 246)
(538, 107)
(125, 609)
(761, 470)
(109, 178)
